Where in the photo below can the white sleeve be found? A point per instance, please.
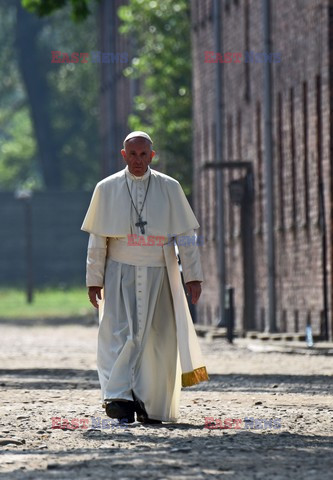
(189, 256)
(96, 257)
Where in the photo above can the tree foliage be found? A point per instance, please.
(72, 111)
(162, 62)
(160, 66)
(79, 8)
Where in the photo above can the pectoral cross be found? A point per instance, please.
(141, 224)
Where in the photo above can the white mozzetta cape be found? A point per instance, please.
(168, 211)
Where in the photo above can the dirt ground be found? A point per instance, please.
(50, 371)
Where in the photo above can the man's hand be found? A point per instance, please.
(93, 294)
(194, 290)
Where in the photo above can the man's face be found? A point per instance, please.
(138, 155)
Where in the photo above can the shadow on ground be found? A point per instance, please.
(239, 454)
(46, 378)
(268, 383)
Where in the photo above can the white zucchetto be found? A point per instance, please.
(136, 134)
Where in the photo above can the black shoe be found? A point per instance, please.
(141, 414)
(146, 420)
(120, 410)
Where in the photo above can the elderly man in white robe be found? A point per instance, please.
(147, 346)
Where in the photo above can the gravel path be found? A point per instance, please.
(50, 371)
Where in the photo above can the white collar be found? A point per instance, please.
(134, 177)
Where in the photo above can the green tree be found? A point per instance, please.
(79, 8)
(160, 33)
(162, 63)
(48, 115)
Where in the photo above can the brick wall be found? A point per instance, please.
(301, 150)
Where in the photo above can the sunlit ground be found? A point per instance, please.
(50, 302)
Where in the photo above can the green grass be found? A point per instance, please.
(50, 302)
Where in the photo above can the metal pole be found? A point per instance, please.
(322, 220)
(26, 197)
(103, 29)
(269, 169)
(219, 135)
(113, 92)
(28, 248)
(231, 314)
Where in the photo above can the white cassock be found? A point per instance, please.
(146, 340)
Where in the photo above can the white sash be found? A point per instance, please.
(193, 369)
(138, 255)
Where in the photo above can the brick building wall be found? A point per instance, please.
(300, 31)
